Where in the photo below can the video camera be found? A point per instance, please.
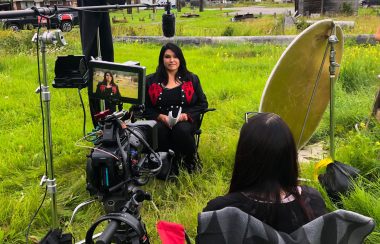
(124, 156)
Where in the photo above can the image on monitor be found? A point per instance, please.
(117, 83)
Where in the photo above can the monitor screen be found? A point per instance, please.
(116, 83)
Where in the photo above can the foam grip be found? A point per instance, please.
(168, 25)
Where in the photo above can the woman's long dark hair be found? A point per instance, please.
(161, 70)
(105, 80)
(266, 161)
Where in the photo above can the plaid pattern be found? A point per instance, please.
(231, 225)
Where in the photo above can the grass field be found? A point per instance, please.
(233, 78)
(146, 23)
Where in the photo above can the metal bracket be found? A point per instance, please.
(51, 186)
(44, 90)
(45, 93)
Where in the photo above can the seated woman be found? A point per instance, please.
(109, 91)
(264, 181)
(174, 92)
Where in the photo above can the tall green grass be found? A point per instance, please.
(232, 76)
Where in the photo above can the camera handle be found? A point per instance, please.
(129, 216)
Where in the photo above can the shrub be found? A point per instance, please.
(361, 150)
(355, 76)
(229, 31)
(347, 9)
(16, 42)
(359, 69)
(301, 24)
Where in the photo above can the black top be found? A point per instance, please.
(171, 98)
(286, 216)
(188, 95)
(111, 95)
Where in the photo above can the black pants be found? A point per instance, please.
(180, 138)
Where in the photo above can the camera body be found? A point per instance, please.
(123, 157)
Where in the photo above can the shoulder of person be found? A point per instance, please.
(310, 192)
(314, 200)
(224, 201)
(151, 78)
(189, 76)
(194, 77)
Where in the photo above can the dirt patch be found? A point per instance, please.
(314, 152)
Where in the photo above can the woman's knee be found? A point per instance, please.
(183, 128)
(183, 137)
(163, 136)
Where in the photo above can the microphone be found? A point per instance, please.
(168, 22)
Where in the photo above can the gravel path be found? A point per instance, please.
(259, 9)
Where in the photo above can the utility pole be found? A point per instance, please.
(322, 6)
(178, 5)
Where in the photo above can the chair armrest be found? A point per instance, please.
(208, 110)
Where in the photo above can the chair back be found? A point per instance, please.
(231, 225)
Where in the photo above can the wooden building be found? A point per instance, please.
(327, 7)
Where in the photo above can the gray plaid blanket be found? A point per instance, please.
(231, 225)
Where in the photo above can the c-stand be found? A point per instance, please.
(48, 37)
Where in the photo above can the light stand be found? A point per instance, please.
(333, 39)
(99, 57)
(48, 37)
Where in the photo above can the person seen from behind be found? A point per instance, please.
(265, 182)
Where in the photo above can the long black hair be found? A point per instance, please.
(182, 72)
(266, 162)
(104, 77)
(266, 158)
